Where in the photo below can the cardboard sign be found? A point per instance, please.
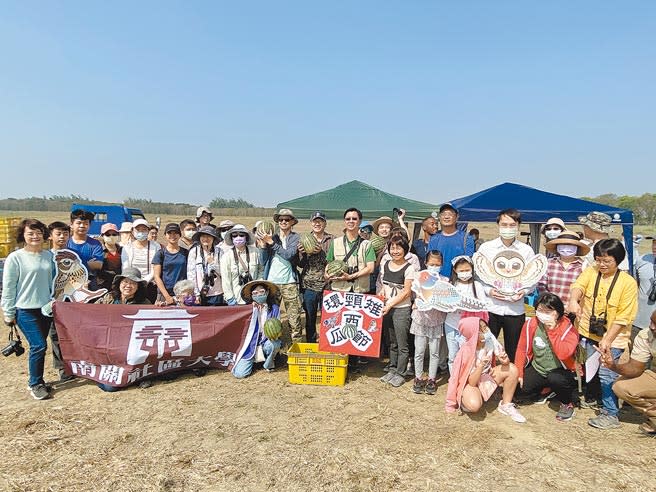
(509, 272)
(435, 293)
(72, 278)
(351, 323)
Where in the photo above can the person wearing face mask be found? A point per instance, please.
(187, 229)
(240, 263)
(550, 230)
(565, 264)
(545, 355)
(507, 312)
(462, 278)
(112, 251)
(257, 347)
(184, 293)
(139, 253)
(125, 233)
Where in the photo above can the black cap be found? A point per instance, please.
(318, 215)
(172, 227)
(448, 206)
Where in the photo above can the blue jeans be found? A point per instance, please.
(35, 327)
(607, 378)
(311, 302)
(453, 340)
(270, 348)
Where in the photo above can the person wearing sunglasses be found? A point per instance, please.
(279, 255)
(240, 263)
(112, 255)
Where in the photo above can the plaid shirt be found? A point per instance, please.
(557, 280)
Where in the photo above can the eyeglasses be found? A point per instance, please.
(351, 218)
(606, 262)
(238, 234)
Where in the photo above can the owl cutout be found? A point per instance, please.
(434, 293)
(508, 272)
(72, 279)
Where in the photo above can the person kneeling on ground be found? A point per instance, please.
(474, 376)
(637, 384)
(545, 354)
(257, 347)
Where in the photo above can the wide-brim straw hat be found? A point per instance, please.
(209, 230)
(382, 220)
(287, 212)
(239, 228)
(247, 290)
(568, 237)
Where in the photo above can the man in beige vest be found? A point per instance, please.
(359, 254)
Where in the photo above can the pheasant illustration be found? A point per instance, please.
(72, 277)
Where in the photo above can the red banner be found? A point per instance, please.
(351, 323)
(119, 345)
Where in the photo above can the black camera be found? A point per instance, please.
(396, 211)
(352, 269)
(652, 291)
(244, 278)
(597, 325)
(13, 347)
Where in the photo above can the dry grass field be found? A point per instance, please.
(217, 433)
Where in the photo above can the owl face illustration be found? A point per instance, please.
(508, 264)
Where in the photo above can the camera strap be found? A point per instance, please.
(596, 291)
(13, 333)
(239, 261)
(353, 248)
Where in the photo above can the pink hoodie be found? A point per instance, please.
(463, 363)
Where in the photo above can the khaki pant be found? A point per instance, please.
(292, 302)
(639, 392)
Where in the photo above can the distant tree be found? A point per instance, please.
(219, 202)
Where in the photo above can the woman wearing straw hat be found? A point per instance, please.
(565, 264)
(203, 266)
(240, 263)
(550, 230)
(257, 347)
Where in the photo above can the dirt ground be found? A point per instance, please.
(218, 433)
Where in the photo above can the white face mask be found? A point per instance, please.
(508, 232)
(434, 270)
(464, 276)
(566, 249)
(110, 239)
(551, 234)
(544, 318)
(189, 234)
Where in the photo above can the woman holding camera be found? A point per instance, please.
(605, 302)
(240, 263)
(27, 287)
(203, 266)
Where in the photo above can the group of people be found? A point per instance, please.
(588, 302)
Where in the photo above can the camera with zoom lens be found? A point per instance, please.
(13, 347)
(352, 269)
(244, 278)
(652, 291)
(597, 325)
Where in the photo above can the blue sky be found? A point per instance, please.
(186, 101)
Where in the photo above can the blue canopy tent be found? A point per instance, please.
(537, 207)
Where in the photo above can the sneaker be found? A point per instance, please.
(39, 392)
(511, 411)
(409, 371)
(396, 380)
(419, 385)
(387, 377)
(387, 368)
(542, 399)
(604, 421)
(565, 413)
(647, 428)
(146, 383)
(593, 404)
(431, 387)
(65, 378)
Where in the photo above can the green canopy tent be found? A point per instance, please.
(371, 201)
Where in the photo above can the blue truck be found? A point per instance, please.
(115, 214)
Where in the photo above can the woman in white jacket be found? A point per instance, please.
(203, 267)
(240, 263)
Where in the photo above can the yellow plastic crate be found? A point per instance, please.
(5, 249)
(10, 221)
(309, 366)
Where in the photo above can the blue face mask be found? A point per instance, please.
(141, 236)
(260, 298)
(434, 270)
(189, 300)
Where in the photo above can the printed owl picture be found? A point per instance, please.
(434, 293)
(508, 272)
(72, 279)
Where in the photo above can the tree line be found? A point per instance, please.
(643, 206)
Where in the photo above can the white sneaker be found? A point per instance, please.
(511, 411)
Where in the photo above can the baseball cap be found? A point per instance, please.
(108, 227)
(448, 206)
(318, 215)
(172, 227)
(139, 222)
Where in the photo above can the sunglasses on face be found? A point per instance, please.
(238, 234)
(284, 219)
(349, 219)
(112, 234)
